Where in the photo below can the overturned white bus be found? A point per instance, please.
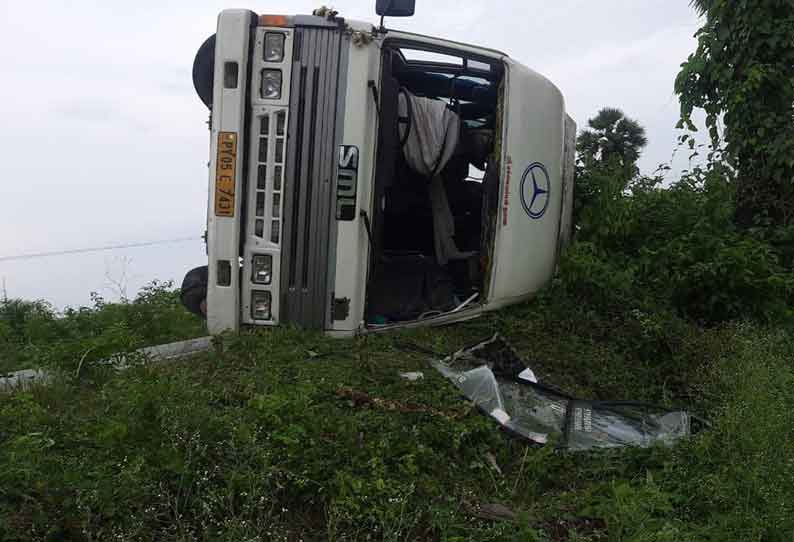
(367, 179)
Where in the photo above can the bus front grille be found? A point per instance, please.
(308, 226)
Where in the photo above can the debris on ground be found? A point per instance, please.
(314, 355)
(492, 462)
(496, 380)
(491, 512)
(360, 398)
(412, 377)
(23, 380)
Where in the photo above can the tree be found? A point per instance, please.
(613, 138)
(742, 76)
(605, 166)
(702, 5)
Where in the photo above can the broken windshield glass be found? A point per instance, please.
(493, 377)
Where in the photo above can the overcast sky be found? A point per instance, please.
(105, 141)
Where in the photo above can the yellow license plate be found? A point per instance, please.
(225, 174)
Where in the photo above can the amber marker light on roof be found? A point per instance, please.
(274, 20)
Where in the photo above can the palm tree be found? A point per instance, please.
(702, 6)
(612, 137)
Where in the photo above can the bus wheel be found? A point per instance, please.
(194, 291)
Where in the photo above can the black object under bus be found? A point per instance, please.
(204, 71)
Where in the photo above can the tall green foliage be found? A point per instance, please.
(742, 76)
(607, 155)
(643, 245)
(612, 137)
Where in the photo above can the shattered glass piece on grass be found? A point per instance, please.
(479, 385)
(528, 375)
(503, 400)
(612, 425)
(494, 378)
(536, 412)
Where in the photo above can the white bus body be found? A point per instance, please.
(313, 218)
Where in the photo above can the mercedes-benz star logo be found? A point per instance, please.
(535, 190)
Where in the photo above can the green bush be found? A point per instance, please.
(715, 278)
(33, 335)
(678, 246)
(599, 279)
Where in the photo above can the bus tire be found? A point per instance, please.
(194, 290)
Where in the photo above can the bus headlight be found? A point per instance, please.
(260, 306)
(274, 47)
(271, 84)
(262, 269)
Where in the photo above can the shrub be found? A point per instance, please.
(599, 279)
(715, 278)
(678, 246)
(32, 334)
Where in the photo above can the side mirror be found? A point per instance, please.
(395, 8)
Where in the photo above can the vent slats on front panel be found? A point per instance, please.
(310, 177)
(296, 173)
(307, 198)
(270, 135)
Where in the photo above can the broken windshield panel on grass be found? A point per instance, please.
(493, 377)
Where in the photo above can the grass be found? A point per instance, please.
(264, 441)
(34, 335)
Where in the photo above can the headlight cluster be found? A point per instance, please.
(262, 269)
(274, 47)
(271, 84)
(260, 305)
(262, 273)
(271, 78)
